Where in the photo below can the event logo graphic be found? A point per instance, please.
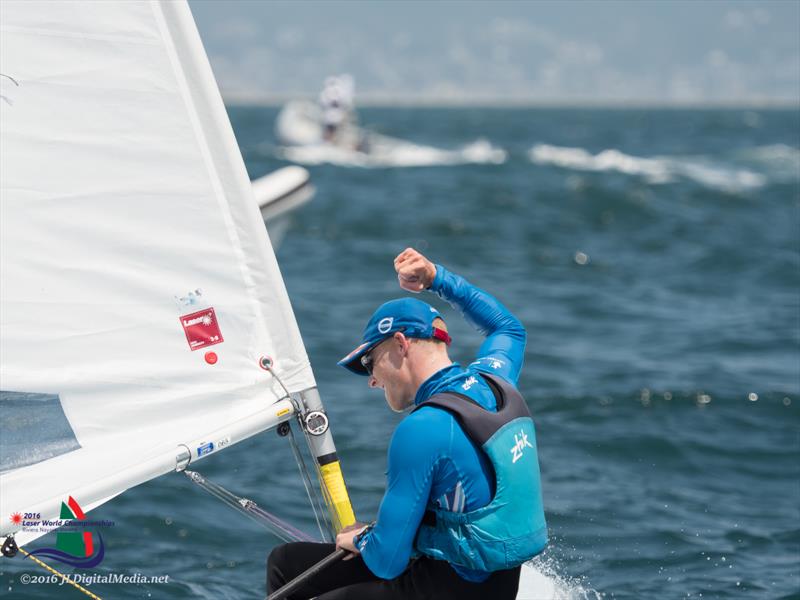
(74, 546)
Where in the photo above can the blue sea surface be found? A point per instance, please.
(654, 258)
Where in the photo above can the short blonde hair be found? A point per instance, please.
(439, 323)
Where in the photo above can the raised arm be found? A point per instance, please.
(503, 350)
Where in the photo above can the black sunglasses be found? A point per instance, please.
(366, 358)
(366, 362)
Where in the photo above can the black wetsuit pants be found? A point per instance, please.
(424, 579)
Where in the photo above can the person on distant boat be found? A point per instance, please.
(463, 507)
(336, 103)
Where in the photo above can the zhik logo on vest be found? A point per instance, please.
(520, 442)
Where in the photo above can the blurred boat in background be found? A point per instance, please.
(277, 194)
(300, 129)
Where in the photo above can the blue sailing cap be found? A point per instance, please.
(411, 316)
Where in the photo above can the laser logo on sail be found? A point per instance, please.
(205, 320)
(201, 329)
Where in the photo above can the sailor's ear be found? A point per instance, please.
(402, 342)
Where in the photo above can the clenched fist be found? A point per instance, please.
(414, 272)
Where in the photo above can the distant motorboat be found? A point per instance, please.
(300, 123)
(301, 133)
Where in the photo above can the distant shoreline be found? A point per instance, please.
(368, 101)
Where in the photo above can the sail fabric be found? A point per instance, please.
(138, 286)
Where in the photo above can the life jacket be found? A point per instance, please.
(511, 528)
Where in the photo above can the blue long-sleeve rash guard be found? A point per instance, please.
(432, 463)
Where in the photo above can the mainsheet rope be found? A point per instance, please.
(54, 572)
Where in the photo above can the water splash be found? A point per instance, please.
(390, 152)
(656, 170)
(541, 577)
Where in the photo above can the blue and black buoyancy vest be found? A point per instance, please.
(511, 528)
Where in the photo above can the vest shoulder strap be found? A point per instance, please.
(478, 423)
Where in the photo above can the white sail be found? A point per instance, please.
(139, 290)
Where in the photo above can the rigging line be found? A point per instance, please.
(301, 465)
(316, 506)
(266, 364)
(320, 502)
(243, 506)
(54, 572)
(277, 526)
(326, 497)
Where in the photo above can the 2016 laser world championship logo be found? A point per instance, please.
(75, 543)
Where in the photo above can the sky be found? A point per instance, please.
(476, 52)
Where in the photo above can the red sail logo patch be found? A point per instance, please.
(201, 329)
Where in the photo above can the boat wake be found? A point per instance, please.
(656, 170)
(383, 151)
(779, 161)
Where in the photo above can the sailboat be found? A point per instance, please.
(278, 194)
(145, 324)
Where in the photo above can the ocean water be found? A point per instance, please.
(654, 257)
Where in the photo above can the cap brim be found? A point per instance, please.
(352, 362)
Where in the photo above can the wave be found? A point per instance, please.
(779, 161)
(772, 152)
(656, 170)
(390, 152)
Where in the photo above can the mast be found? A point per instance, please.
(320, 443)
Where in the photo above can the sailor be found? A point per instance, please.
(462, 508)
(336, 103)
